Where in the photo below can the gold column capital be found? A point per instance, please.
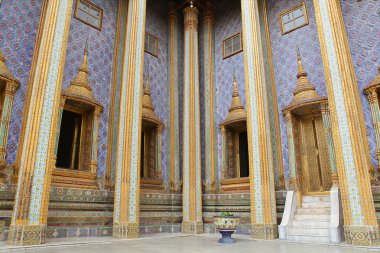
(288, 116)
(191, 18)
(208, 15)
(11, 87)
(372, 96)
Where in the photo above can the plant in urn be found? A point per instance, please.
(226, 224)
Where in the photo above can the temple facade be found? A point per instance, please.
(127, 117)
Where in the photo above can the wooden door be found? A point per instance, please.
(315, 160)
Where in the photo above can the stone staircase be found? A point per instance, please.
(310, 223)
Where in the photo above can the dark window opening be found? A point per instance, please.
(69, 140)
(243, 154)
(142, 155)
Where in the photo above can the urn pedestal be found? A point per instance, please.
(226, 226)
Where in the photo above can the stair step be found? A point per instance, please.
(319, 204)
(323, 210)
(307, 231)
(308, 199)
(312, 217)
(308, 238)
(311, 223)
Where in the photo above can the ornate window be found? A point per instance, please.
(311, 149)
(77, 134)
(235, 168)
(151, 145)
(89, 13)
(232, 45)
(294, 18)
(8, 86)
(151, 44)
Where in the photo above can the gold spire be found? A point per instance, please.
(236, 111)
(4, 71)
(147, 106)
(80, 85)
(304, 91)
(301, 70)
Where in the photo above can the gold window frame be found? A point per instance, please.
(233, 52)
(93, 6)
(303, 5)
(155, 44)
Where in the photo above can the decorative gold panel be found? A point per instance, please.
(316, 172)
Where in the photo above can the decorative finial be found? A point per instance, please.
(301, 70)
(147, 87)
(83, 67)
(86, 47)
(235, 91)
(191, 4)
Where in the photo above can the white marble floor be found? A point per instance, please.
(185, 244)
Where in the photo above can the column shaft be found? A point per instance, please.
(263, 201)
(127, 185)
(330, 142)
(375, 113)
(94, 143)
(350, 140)
(192, 184)
(9, 90)
(173, 128)
(121, 32)
(210, 138)
(36, 151)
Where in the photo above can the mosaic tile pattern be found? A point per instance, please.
(227, 22)
(19, 20)
(100, 63)
(363, 29)
(285, 59)
(157, 25)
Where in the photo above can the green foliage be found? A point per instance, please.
(226, 214)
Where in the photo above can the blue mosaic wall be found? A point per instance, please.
(100, 63)
(363, 28)
(19, 20)
(227, 22)
(285, 59)
(157, 25)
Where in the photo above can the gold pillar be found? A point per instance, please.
(9, 93)
(263, 201)
(349, 134)
(211, 153)
(274, 117)
(127, 185)
(192, 184)
(36, 150)
(330, 142)
(121, 32)
(95, 139)
(10, 85)
(373, 99)
(173, 129)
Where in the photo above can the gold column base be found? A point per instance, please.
(192, 227)
(126, 230)
(265, 231)
(26, 234)
(362, 235)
